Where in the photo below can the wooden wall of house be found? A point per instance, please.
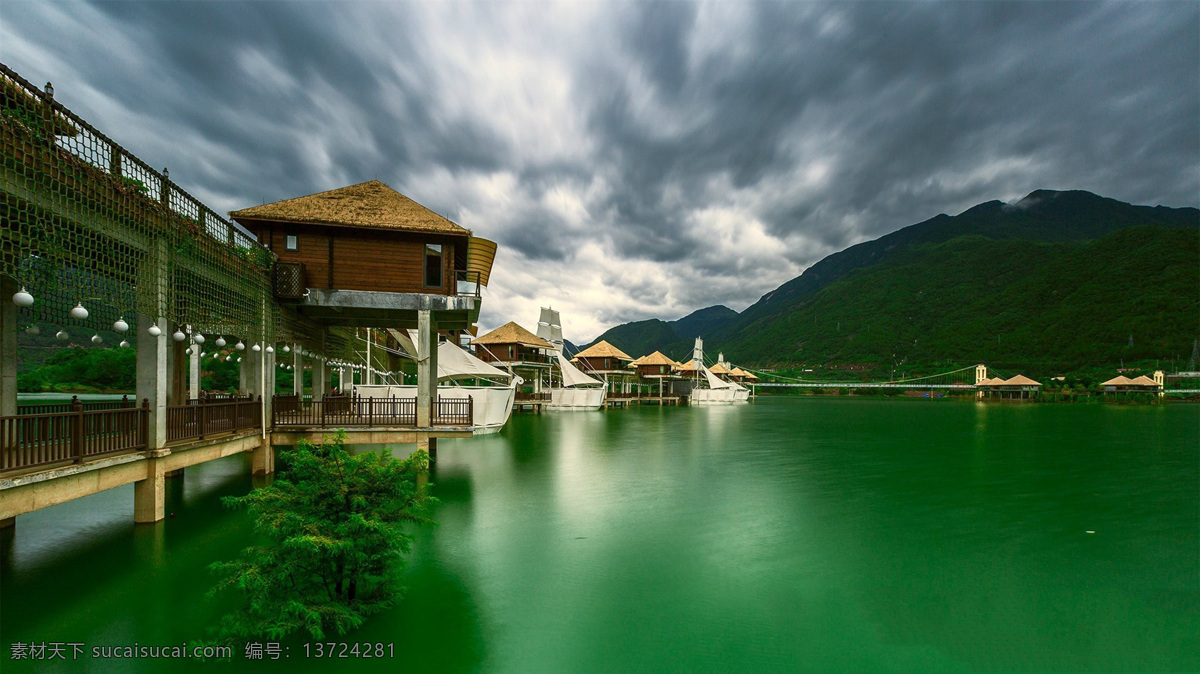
(509, 353)
(653, 370)
(600, 364)
(362, 259)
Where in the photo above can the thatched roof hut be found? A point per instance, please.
(372, 204)
(511, 333)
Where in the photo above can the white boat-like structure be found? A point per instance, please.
(575, 390)
(492, 404)
(714, 390)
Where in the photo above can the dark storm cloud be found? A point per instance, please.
(671, 155)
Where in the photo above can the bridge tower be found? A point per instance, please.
(980, 373)
(1159, 381)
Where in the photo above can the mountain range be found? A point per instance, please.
(1057, 279)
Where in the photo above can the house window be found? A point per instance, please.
(292, 242)
(433, 265)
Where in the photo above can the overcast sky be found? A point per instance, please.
(645, 159)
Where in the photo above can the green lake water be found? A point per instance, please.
(789, 534)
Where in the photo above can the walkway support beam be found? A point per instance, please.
(152, 377)
(194, 373)
(8, 347)
(297, 370)
(427, 343)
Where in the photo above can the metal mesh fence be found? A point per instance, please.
(84, 222)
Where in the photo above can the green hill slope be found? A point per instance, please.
(1020, 303)
(671, 337)
(1043, 215)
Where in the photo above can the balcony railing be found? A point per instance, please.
(348, 412)
(74, 436)
(466, 283)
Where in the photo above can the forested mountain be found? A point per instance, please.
(671, 337)
(1059, 278)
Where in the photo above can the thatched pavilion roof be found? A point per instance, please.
(602, 349)
(511, 333)
(656, 358)
(371, 204)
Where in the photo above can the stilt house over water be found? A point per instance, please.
(605, 360)
(527, 354)
(338, 249)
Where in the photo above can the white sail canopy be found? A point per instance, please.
(716, 383)
(550, 327)
(572, 376)
(453, 361)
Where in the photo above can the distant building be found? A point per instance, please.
(527, 354)
(1019, 387)
(1142, 383)
(609, 363)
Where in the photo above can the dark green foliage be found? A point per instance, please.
(639, 338)
(218, 374)
(703, 322)
(1041, 307)
(79, 369)
(1058, 281)
(334, 542)
(1043, 215)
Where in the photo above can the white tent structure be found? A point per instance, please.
(578, 391)
(492, 404)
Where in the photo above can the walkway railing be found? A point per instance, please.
(197, 422)
(36, 440)
(348, 412)
(523, 397)
(207, 398)
(59, 408)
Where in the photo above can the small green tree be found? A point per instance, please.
(335, 541)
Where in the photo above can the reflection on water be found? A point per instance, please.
(790, 534)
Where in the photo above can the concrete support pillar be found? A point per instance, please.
(298, 370)
(268, 392)
(320, 379)
(369, 372)
(176, 371)
(429, 445)
(343, 385)
(427, 343)
(8, 347)
(194, 372)
(263, 458)
(149, 495)
(152, 376)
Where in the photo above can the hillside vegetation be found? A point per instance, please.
(1056, 282)
(1013, 303)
